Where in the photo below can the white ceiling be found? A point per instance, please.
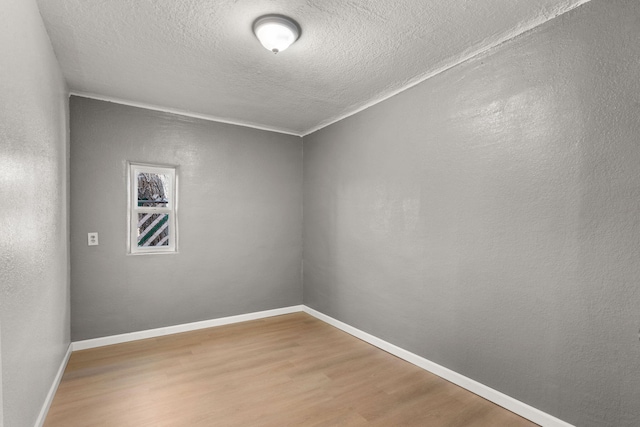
(200, 56)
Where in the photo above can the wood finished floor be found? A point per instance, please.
(291, 370)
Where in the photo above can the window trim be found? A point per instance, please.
(133, 168)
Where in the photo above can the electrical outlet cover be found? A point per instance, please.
(92, 239)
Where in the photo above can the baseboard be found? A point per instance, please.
(526, 411)
(54, 387)
(168, 330)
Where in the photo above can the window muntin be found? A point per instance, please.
(152, 209)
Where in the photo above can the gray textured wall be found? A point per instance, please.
(34, 277)
(240, 220)
(1, 387)
(488, 218)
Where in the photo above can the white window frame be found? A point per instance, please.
(133, 209)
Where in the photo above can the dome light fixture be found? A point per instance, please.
(276, 32)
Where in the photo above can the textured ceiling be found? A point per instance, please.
(200, 56)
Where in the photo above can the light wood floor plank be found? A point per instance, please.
(290, 370)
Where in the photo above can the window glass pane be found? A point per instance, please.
(153, 229)
(153, 190)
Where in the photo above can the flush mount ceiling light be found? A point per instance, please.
(276, 32)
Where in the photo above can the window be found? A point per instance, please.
(152, 209)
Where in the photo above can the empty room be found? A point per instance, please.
(319, 213)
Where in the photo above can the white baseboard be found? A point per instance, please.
(507, 402)
(54, 387)
(168, 330)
